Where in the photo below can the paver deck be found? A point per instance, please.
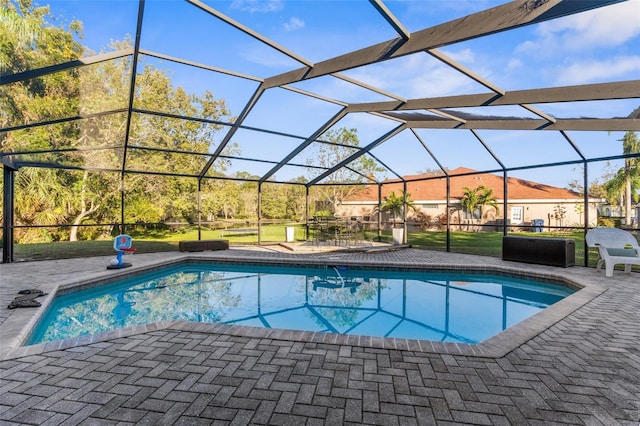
(576, 363)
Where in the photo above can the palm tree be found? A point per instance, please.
(478, 197)
(486, 198)
(469, 201)
(25, 26)
(395, 204)
(627, 180)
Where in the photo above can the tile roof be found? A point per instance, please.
(429, 188)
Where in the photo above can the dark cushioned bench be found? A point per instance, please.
(202, 245)
(543, 251)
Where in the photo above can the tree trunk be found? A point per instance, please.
(73, 236)
(84, 211)
(627, 202)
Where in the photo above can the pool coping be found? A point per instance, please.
(494, 347)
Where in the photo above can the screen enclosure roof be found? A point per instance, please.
(490, 85)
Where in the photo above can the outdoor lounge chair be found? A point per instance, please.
(615, 247)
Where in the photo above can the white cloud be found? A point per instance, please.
(603, 27)
(261, 55)
(259, 6)
(439, 82)
(514, 64)
(414, 76)
(588, 72)
(465, 56)
(293, 24)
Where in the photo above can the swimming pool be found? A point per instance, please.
(451, 307)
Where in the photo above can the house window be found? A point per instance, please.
(517, 215)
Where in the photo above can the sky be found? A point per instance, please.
(596, 46)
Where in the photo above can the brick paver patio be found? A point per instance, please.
(581, 368)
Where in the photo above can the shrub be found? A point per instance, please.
(605, 221)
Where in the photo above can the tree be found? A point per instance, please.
(626, 181)
(295, 195)
(341, 144)
(394, 204)
(559, 213)
(274, 201)
(476, 199)
(247, 196)
(596, 187)
(29, 41)
(283, 201)
(433, 171)
(44, 196)
(220, 198)
(469, 201)
(486, 198)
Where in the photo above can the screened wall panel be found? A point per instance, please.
(340, 89)
(199, 92)
(154, 131)
(416, 76)
(524, 148)
(169, 30)
(289, 112)
(458, 148)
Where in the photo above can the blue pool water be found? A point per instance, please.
(452, 307)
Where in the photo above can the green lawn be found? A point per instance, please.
(67, 249)
(151, 242)
(481, 243)
(485, 243)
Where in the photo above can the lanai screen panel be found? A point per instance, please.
(103, 22)
(603, 109)
(261, 145)
(319, 157)
(212, 93)
(415, 76)
(414, 157)
(174, 134)
(595, 145)
(341, 89)
(367, 127)
(309, 28)
(560, 177)
(64, 94)
(239, 168)
(285, 111)
(458, 148)
(191, 31)
(518, 148)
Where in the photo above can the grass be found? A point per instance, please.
(150, 242)
(68, 249)
(480, 243)
(487, 243)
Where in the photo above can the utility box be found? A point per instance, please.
(290, 233)
(398, 236)
(537, 225)
(542, 251)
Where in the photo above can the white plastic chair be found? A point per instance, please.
(615, 247)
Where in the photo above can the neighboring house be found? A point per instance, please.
(527, 201)
(616, 212)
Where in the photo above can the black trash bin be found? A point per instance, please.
(537, 225)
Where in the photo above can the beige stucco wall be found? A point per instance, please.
(531, 209)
